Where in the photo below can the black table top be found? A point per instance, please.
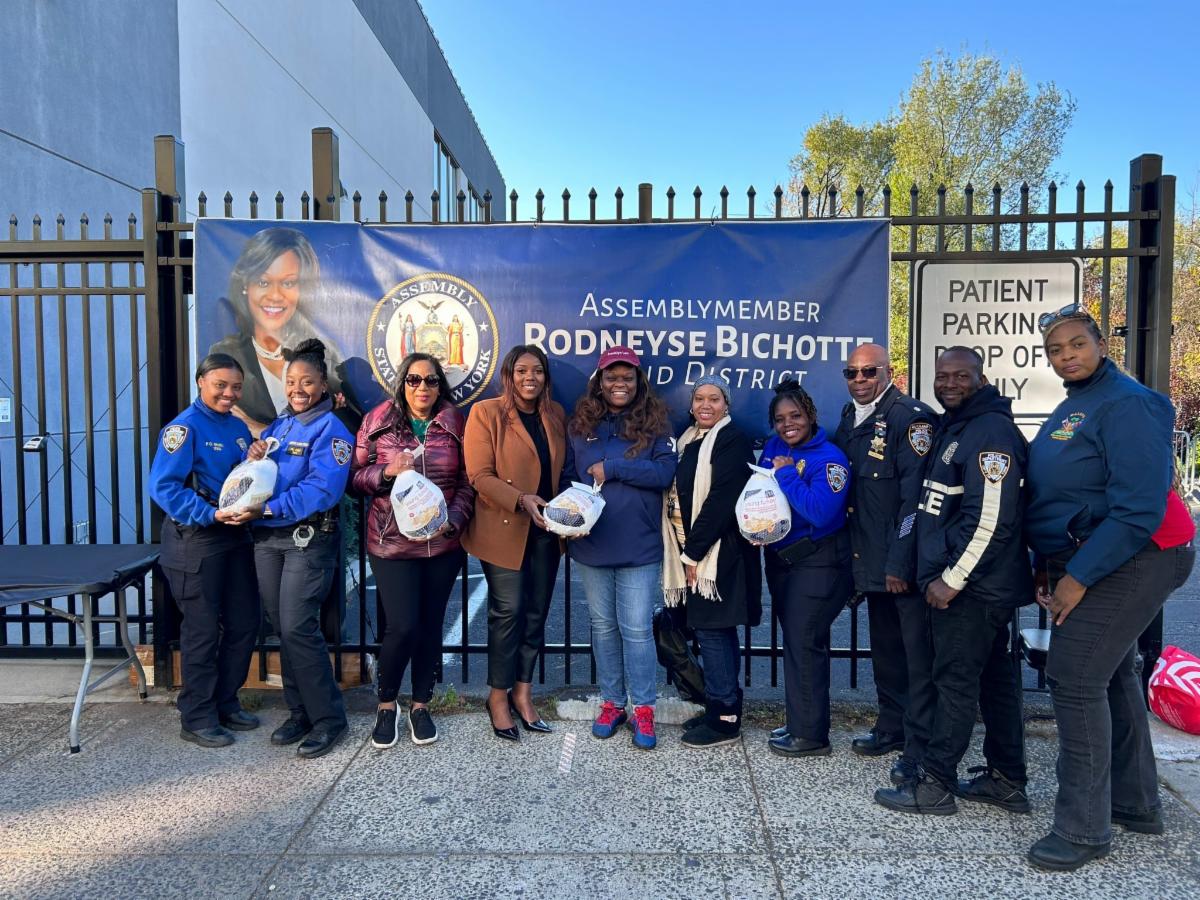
(44, 571)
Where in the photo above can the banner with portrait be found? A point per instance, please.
(755, 302)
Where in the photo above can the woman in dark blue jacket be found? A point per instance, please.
(206, 555)
(1099, 472)
(297, 547)
(620, 438)
(808, 572)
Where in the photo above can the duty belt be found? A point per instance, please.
(326, 521)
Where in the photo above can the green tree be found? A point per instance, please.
(963, 120)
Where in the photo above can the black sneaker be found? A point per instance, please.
(420, 725)
(924, 795)
(385, 734)
(989, 786)
(904, 770)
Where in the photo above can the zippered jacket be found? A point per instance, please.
(442, 463)
(969, 523)
(1099, 470)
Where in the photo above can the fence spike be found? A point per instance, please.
(202, 203)
(357, 197)
(778, 201)
(1079, 186)
(670, 193)
(512, 205)
(620, 194)
(83, 227)
(408, 206)
(383, 206)
(279, 204)
(969, 189)
(487, 206)
(12, 227)
(696, 194)
(750, 195)
(592, 194)
(1108, 185)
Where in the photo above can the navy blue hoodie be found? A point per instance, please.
(969, 520)
(629, 531)
(1099, 470)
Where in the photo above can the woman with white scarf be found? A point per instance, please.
(707, 566)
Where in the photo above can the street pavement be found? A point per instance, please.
(139, 813)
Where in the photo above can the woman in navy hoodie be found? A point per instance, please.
(808, 572)
(1100, 470)
(620, 438)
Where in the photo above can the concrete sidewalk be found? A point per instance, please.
(141, 814)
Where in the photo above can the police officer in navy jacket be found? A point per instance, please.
(974, 571)
(808, 571)
(207, 556)
(886, 436)
(297, 544)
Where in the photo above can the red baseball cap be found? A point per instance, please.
(618, 354)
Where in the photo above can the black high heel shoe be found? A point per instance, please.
(536, 725)
(508, 734)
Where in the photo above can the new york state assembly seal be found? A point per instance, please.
(444, 316)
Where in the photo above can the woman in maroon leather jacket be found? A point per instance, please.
(412, 578)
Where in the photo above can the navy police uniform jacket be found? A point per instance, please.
(969, 519)
(314, 464)
(629, 530)
(1099, 471)
(887, 454)
(196, 451)
(816, 486)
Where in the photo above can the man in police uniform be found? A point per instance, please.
(886, 436)
(973, 569)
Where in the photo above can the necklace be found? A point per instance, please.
(264, 352)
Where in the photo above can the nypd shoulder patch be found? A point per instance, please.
(920, 437)
(837, 476)
(994, 466)
(341, 451)
(173, 437)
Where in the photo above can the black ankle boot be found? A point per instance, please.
(722, 724)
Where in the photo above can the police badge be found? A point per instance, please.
(341, 451)
(920, 437)
(994, 466)
(949, 454)
(836, 475)
(173, 437)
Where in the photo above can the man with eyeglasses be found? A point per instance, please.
(973, 570)
(887, 435)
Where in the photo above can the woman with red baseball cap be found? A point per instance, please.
(620, 438)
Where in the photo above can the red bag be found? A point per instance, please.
(1175, 689)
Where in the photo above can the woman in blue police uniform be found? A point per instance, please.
(207, 556)
(808, 572)
(296, 547)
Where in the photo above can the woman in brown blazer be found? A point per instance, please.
(514, 447)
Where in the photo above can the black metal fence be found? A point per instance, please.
(99, 338)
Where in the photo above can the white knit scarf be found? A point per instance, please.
(674, 577)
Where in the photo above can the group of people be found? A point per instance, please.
(944, 523)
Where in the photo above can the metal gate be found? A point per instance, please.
(98, 330)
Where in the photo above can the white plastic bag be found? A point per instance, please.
(574, 511)
(762, 511)
(251, 482)
(418, 504)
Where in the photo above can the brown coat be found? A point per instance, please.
(502, 463)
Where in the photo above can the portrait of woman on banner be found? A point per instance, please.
(271, 288)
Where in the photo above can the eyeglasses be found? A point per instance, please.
(867, 372)
(415, 380)
(1070, 311)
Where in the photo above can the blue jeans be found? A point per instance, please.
(719, 649)
(621, 604)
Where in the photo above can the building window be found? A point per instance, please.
(449, 179)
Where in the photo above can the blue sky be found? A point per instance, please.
(573, 94)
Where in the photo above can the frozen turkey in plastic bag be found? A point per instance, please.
(418, 504)
(574, 511)
(250, 483)
(762, 511)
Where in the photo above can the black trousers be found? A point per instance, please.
(809, 595)
(518, 601)
(973, 670)
(1105, 757)
(220, 608)
(293, 583)
(413, 593)
(902, 662)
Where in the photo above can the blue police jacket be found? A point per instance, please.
(203, 442)
(969, 521)
(1099, 470)
(314, 456)
(629, 531)
(816, 487)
